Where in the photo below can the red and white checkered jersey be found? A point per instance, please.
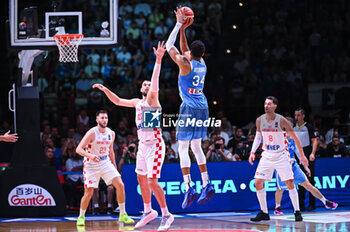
(145, 134)
(274, 138)
(100, 146)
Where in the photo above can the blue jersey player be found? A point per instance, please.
(194, 107)
(299, 179)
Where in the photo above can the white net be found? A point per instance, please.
(68, 46)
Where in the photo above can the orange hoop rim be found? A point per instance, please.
(68, 46)
(70, 36)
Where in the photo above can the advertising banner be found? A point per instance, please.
(32, 191)
(30, 195)
(234, 185)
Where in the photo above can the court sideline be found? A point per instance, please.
(320, 220)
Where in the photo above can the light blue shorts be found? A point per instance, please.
(299, 176)
(190, 129)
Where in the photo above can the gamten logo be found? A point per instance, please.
(30, 195)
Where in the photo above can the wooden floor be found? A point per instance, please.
(338, 220)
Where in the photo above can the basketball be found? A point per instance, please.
(188, 12)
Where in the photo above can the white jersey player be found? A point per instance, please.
(99, 161)
(272, 127)
(151, 150)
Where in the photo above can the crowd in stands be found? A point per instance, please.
(281, 47)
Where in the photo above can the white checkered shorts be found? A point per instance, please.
(150, 157)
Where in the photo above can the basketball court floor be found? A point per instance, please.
(319, 220)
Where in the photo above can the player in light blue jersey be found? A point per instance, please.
(299, 179)
(194, 107)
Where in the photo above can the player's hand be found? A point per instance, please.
(159, 52)
(100, 87)
(187, 23)
(180, 15)
(7, 137)
(251, 158)
(308, 172)
(95, 158)
(312, 157)
(304, 161)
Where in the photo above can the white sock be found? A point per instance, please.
(277, 205)
(147, 207)
(205, 178)
(262, 200)
(293, 194)
(95, 205)
(82, 212)
(122, 208)
(165, 211)
(323, 199)
(187, 180)
(109, 205)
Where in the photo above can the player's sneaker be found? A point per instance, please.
(261, 216)
(298, 217)
(331, 205)
(146, 218)
(80, 228)
(206, 194)
(190, 196)
(125, 219)
(126, 228)
(278, 211)
(81, 221)
(165, 223)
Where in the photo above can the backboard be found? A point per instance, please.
(33, 23)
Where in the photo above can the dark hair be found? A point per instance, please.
(145, 81)
(274, 99)
(101, 112)
(302, 111)
(49, 147)
(335, 137)
(213, 134)
(197, 48)
(218, 138)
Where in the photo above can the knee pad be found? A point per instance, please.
(185, 161)
(196, 146)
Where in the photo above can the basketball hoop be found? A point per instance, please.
(68, 46)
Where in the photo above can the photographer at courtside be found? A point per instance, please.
(218, 153)
(128, 155)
